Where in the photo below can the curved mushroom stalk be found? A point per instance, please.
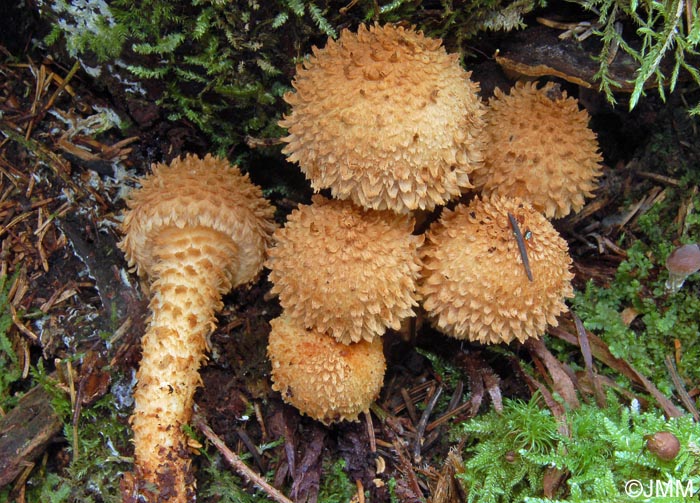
(186, 294)
(195, 229)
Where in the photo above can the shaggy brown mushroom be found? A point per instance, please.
(475, 284)
(345, 271)
(387, 118)
(540, 149)
(324, 379)
(194, 229)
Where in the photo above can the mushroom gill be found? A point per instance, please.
(475, 285)
(387, 118)
(345, 271)
(324, 379)
(194, 230)
(540, 149)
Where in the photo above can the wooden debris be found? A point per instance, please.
(539, 52)
(588, 361)
(561, 379)
(25, 432)
(688, 402)
(236, 463)
(600, 351)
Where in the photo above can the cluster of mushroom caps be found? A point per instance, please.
(391, 124)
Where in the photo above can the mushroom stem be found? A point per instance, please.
(185, 295)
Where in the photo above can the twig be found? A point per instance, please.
(448, 415)
(410, 408)
(370, 432)
(521, 245)
(406, 467)
(588, 360)
(62, 85)
(659, 178)
(360, 491)
(680, 388)
(236, 462)
(423, 423)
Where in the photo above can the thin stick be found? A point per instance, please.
(585, 347)
(680, 388)
(370, 432)
(236, 462)
(521, 245)
(423, 423)
(409, 406)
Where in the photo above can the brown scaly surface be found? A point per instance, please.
(387, 118)
(324, 379)
(474, 284)
(540, 149)
(346, 271)
(195, 229)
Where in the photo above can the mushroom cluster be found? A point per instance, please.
(390, 123)
(344, 275)
(194, 230)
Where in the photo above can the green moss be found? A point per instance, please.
(10, 370)
(507, 454)
(100, 435)
(663, 321)
(336, 486)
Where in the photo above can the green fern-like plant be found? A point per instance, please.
(663, 321)
(663, 28)
(599, 449)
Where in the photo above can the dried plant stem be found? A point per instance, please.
(236, 462)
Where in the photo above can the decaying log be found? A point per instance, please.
(25, 432)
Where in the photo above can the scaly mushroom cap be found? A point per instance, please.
(344, 270)
(324, 379)
(474, 283)
(540, 149)
(204, 192)
(386, 118)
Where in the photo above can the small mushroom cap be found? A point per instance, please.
(193, 192)
(474, 284)
(540, 149)
(681, 263)
(324, 379)
(346, 271)
(664, 444)
(386, 118)
(684, 260)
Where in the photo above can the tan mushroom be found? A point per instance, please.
(540, 149)
(194, 229)
(681, 263)
(475, 284)
(345, 271)
(387, 118)
(324, 379)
